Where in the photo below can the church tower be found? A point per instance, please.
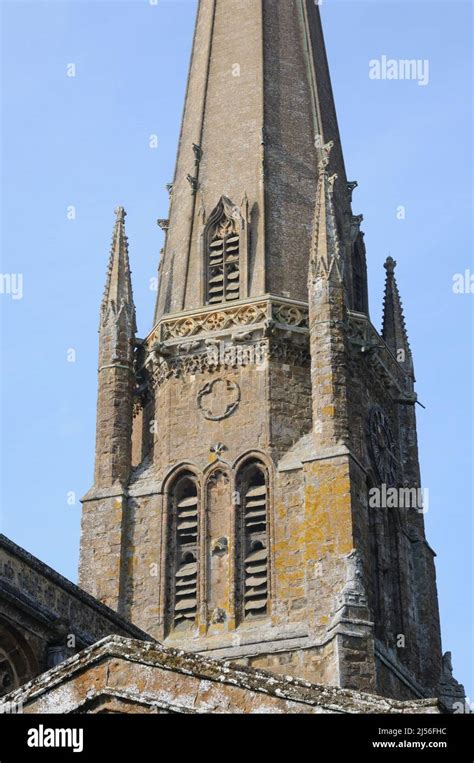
(246, 515)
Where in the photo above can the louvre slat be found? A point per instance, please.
(250, 605)
(188, 569)
(256, 513)
(257, 555)
(256, 581)
(255, 502)
(256, 491)
(192, 501)
(187, 525)
(185, 604)
(253, 570)
(181, 583)
(189, 513)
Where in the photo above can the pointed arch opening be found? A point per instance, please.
(183, 552)
(360, 298)
(386, 588)
(252, 542)
(375, 541)
(18, 663)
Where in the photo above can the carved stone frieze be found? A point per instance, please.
(218, 320)
(291, 315)
(230, 318)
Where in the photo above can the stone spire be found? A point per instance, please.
(393, 327)
(259, 106)
(116, 349)
(104, 506)
(327, 313)
(118, 294)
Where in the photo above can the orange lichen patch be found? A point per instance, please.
(328, 410)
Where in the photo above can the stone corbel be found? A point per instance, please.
(242, 336)
(351, 186)
(189, 346)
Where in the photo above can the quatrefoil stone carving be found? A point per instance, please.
(218, 399)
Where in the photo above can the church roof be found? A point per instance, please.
(121, 674)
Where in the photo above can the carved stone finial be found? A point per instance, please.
(356, 222)
(193, 182)
(325, 155)
(390, 265)
(120, 214)
(218, 449)
(325, 260)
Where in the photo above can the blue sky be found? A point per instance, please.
(83, 141)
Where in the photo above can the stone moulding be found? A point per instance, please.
(283, 312)
(225, 355)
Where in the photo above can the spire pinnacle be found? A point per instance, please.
(118, 293)
(325, 250)
(393, 328)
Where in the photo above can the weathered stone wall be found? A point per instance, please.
(45, 618)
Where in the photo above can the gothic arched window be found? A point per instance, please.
(386, 595)
(253, 546)
(183, 553)
(359, 277)
(222, 242)
(375, 538)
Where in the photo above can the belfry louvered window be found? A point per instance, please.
(184, 551)
(223, 255)
(254, 543)
(223, 269)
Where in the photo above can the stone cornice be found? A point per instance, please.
(217, 318)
